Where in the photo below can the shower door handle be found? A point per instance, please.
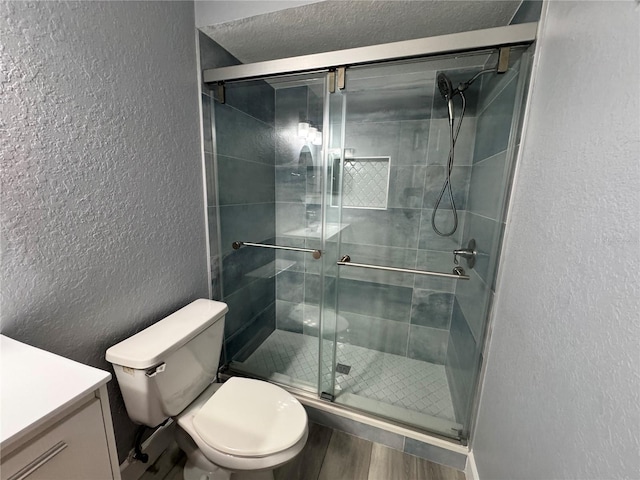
(314, 253)
(458, 273)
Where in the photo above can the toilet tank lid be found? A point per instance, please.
(152, 345)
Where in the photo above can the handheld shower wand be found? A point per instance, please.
(448, 92)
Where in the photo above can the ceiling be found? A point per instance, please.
(336, 25)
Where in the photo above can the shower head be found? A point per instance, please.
(447, 91)
(445, 86)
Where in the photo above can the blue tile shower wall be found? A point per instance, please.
(242, 200)
(212, 55)
(246, 174)
(488, 187)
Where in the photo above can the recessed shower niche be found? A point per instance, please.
(363, 181)
(308, 169)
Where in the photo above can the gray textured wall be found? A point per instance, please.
(561, 393)
(102, 212)
(211, 12)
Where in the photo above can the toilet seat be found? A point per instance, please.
(250, 418)
(241, 461)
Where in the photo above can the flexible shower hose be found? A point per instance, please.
(446, 186)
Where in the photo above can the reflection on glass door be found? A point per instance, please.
(269, 136)
(390, 349)
(403, 349)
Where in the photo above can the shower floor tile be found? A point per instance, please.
(391, 379)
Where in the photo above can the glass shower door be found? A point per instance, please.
(270, 184)
(407, 346)
(390, 330)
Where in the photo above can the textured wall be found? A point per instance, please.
(102, 215)
(211, 12)
(335, 25)
(561, 392)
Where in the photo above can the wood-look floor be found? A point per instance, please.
(332, 455)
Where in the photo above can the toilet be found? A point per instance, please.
(238, 430)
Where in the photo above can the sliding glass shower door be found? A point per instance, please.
(403, 348)
(392, 326)
(340, 209)
(270, 184)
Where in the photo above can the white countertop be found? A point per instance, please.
(35, 385)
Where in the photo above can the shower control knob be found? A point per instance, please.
(468, 253)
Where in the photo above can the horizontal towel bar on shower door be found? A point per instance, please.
(314, 253)
(458, 273)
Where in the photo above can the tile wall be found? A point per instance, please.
(244, 204)
(486, 205)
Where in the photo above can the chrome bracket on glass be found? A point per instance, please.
(220, 91)
(458, 273)
(314, 253)
(468, 253)
(341, 79)
(503, 60)
(331, 81)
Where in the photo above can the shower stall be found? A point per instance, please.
(324, 185)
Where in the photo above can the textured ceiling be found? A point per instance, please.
(336, 25)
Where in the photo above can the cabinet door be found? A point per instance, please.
(73, 449)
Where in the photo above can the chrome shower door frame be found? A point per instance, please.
(511, 35)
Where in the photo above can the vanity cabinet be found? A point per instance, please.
(54, 427)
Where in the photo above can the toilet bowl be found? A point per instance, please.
(242, 426)
(238, 430)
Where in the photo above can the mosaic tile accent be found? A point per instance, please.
(404, 382)
(365, 183)
(287, 353)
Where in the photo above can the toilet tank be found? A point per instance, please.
(163, 368)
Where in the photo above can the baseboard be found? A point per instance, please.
(153, 446)
(471, 470)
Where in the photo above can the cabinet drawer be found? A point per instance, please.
(73, 449)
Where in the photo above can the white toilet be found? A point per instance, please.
(241, 429)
